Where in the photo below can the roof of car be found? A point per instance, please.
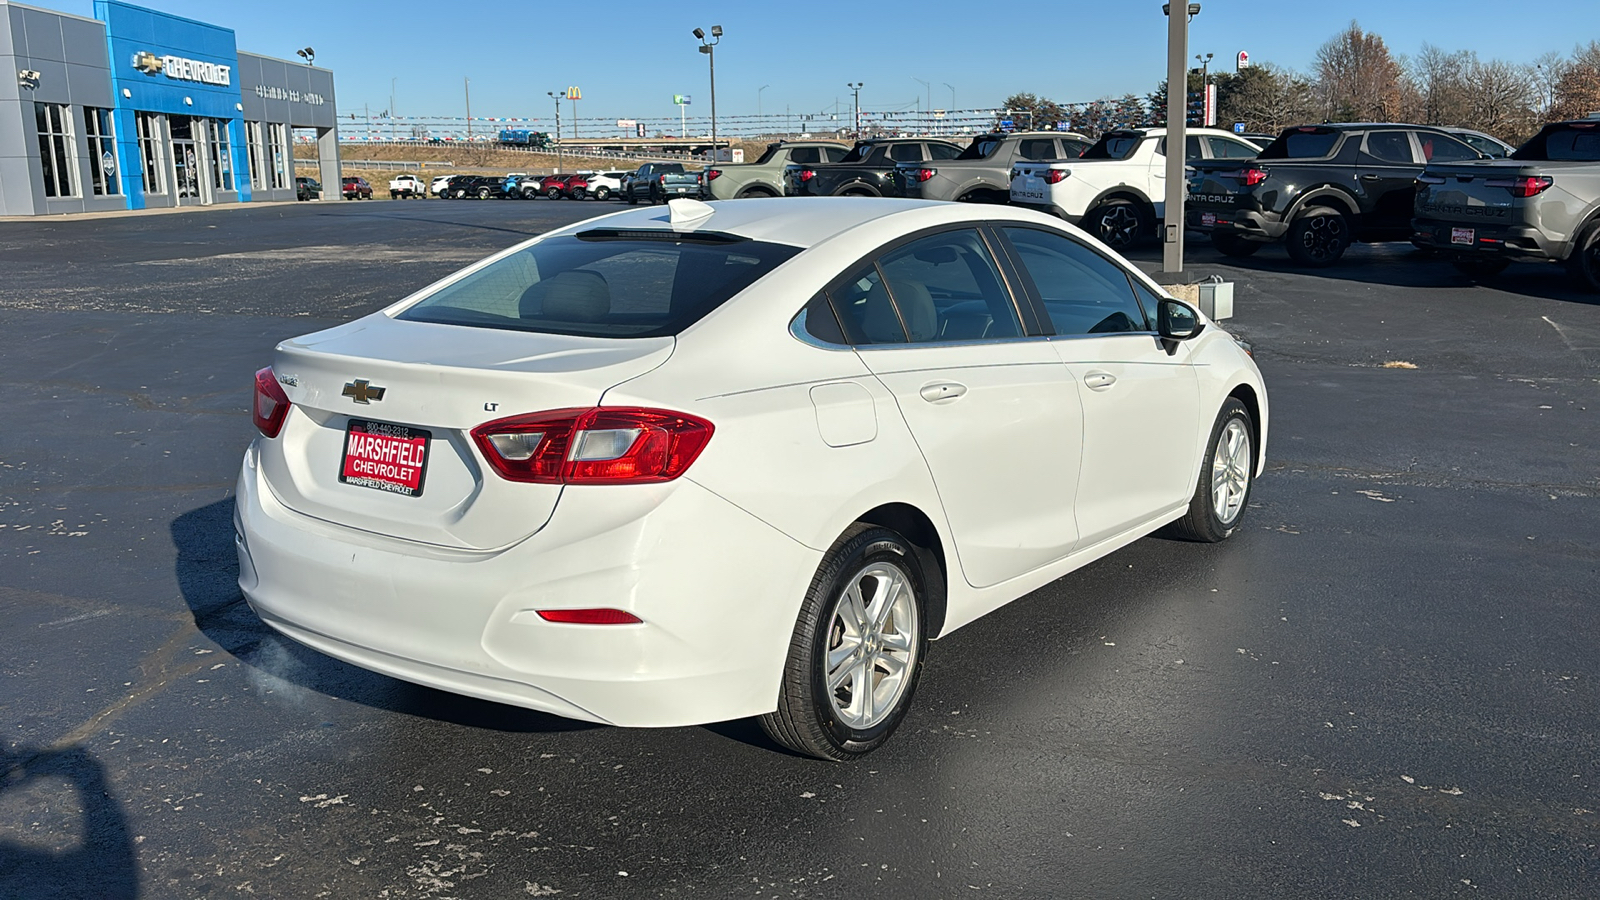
(803, 221)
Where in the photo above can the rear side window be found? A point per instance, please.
(943, 151)
(1114, 145)
(1083, 292)
(865, 310)
(1037, 148)
(1578, 141)
(1302, 143)
(833, 154)
(948, 288)
(1389, 147)
(805, 155)
(906, 152)
(1222, 148)
(602, 287)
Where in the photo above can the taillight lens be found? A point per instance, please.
(807, 174)
(1522, 185)
(924, 174)
(1249, 177)
(271, 405)
(1055, 176)
(590, 616)
(603, 445)
(713, 174)
(662, 178)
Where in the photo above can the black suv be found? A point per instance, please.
(1317, 188)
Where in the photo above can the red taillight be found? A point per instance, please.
(1055, 176)
(713, 174)
(807, 174)
(603, 445)
(925, 174)
(1523, 185)
(590, 616)
(662, 178)
(1250, 177)
(271, 404)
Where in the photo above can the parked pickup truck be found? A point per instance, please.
(982, 173)
(659, 182)
(1317, 188)
(1117, 189)
(764, 177)
(866, 170)
(1540, 205)
(407, 186)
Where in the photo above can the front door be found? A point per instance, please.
(992, 410)
(191, 182)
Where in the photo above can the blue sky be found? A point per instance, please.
(629, 58)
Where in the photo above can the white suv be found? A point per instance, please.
(605, 185)
(1117, 190)
(438, 184)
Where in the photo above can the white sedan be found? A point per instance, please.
(676, 466)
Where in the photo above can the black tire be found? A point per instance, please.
(1318, 237)
(461, 193)
(1204, 522)
(655, 196)
(602, 193)
(633, 199)
(1584, 263)
(579, 193)
(529, 193)
(552, 193)
(1234, 246)
(807, 720)
(1479, 267)
(754, 193)
(483, 193)
(1120, 224)
(394, 195)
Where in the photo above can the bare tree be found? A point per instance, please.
(1358, 78)
(1547, 71)
(1577, 92)
(1266, 98)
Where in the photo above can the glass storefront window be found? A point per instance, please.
(55, 149)
(278, 137)
(102, 151)
(222, 154)
(150, 152)
(252, 142)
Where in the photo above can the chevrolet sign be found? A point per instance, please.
(181, 69)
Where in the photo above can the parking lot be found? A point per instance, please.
(1384, 687)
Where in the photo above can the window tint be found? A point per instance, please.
(1566, 140)
(1222, 148)
(865, 311)
(879, 156)
(980, 148)
(602, 287)
(906, 152)
(948, 288)
(1444, 149)
(1482, 145)
(818, 321)
(1389, 146)
(1037, 148)
(833, 154)
(1191, 147)
(1306, 142)
(805, 155)
(857, 153)
(1114, 145)
(1083, 292)
(943, 151)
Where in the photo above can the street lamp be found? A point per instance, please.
(758, 101)
(307, 54)
(855, 88)
(929, 88)
(556, 96)
(709, 48)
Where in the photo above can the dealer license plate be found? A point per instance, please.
(1208, 219)
(1463, 236)
(385, 457)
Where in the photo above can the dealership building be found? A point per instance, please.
(138, 109)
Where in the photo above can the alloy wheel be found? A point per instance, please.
(1119, 227)
(1324, 237)
(1230, 472)
(872, 642)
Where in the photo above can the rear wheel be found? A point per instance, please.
(1223, 492)
(857, 649)
(1584, 263)
(602, 193)
(1318, 237)
(1479, 267)
(461, 193)
(579, 193)
(1120, 224)
(1233, 245)
(754, 193)
(483, 193)
(394, 195)
(529, 193)
(633, 199)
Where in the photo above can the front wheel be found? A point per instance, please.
(1120, 224)
(1318, 237)
(1234, 246)
(857, 649)
(578, 193)
(483, 193)
(1226, 476)
(552, 194)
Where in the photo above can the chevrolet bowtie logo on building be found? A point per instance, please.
(147, 62)
(362, 392)
(184, 69)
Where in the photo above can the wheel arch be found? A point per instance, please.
(1326, 195)
(915, 526)
(1246, 394)
(857, 188)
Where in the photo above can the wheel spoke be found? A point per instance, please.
(889, 590)
(839, 655)
(858, 610)
(892, 664)
(861, 690)
(897, 641)
(838, 674)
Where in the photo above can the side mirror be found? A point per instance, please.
(1177, 322)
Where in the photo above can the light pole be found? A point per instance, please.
(1205, 88)
(855, 88)
(929, 108)
(393, 119)
(1177, 89)
(758, 103)
(709, 48)
(556, 96)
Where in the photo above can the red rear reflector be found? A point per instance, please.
(1522, 185)
(271, 404)
(603, 445)
(1055, 176)
(1250, 177)
(590, 616)
(713, 174)
(807, 174)
(925, 174)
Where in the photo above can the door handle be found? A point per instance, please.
(942, 390)
(1099, 381)
(1370, 177)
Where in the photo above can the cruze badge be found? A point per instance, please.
(362, 392)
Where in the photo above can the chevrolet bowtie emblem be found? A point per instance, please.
(147, 62)
(362, 392)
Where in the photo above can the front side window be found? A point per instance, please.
(102, 151)
(152, 153)
(1223, 148)
(1083, 292)
(603, 284)
(54, 124)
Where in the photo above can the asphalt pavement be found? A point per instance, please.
(1384, 686)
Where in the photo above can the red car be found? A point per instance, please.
(355, 188)
(554, 187)
(577, 187)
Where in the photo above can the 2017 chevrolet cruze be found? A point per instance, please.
(674, 466)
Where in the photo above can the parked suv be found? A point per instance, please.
(355, 187)
(1541, 205)
(306, 188)
(764, 177)
(437, 186)
(659, 182)
(1317, 188)
(604, 185)
(866, 170)
(982, 173)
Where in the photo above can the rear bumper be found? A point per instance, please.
(718, 592)
(1245, 223)
(1514, 242)
(1048, 209)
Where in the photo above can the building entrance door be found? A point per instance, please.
(191, 181)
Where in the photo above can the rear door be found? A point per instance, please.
(1139, 403)
(990, 407)
(1387, 170)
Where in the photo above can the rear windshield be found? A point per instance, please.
(1301, 143)
(1577, 140)
(1114, 145)
(618, 288)
(982, 147)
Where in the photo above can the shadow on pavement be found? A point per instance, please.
(208, 576)
(56, 787)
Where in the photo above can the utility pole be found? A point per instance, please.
(469, 108)
(922, 127)
(1177, 100)
(557, 98)
(855, 88)
(709, 48)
